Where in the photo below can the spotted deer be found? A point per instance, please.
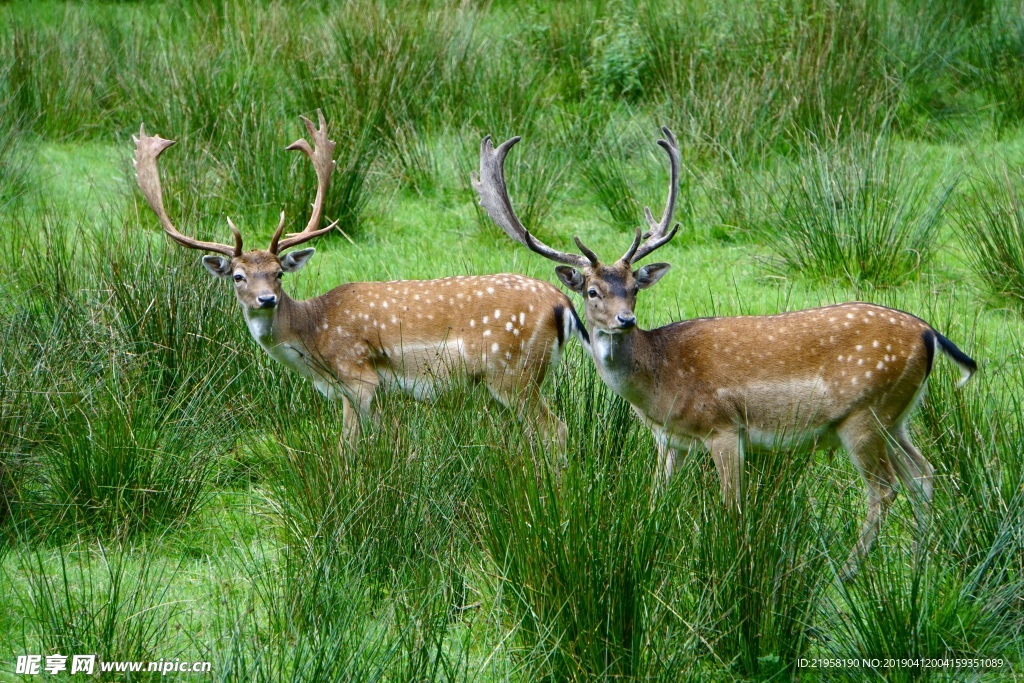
(505, 330)
(849, 374)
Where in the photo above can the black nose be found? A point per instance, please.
(626, 320)
(267, 300)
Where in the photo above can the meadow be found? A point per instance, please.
(168, 491)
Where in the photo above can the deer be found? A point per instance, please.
(848, 374)
(505, 330)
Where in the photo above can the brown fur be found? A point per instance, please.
(847, 374)
(502, 330)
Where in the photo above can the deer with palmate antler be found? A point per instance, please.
(846, 374)
(505, 330)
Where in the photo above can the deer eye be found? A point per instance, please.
(280, 274)
(239, 277)
(592, 293)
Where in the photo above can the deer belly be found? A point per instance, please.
(423, 370)
(784, 414)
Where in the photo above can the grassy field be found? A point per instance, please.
(169, 492)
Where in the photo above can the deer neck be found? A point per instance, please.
(621, 360)
(284, 331)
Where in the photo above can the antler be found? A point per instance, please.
(321, 153)
(147, 150)
(490, 186)
(659, 235)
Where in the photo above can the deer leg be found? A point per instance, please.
(727, 452)
(357, 404)
(867, 447)
(666, 459)
(529, 402)
(918, 473)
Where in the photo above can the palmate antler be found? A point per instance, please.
(490, 186)
(322, 156)
(149, 148)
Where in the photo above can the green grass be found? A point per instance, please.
(169, 491)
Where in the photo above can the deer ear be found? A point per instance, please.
(649, 274)
(294, 260)
(217, 265)
(570, 277)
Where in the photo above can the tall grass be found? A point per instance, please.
(125, 462)
(579, 554)
(759, 578)
(111, 603)
(992, 233)
(447, 544)
(861, 215)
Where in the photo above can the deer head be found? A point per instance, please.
(256, 273)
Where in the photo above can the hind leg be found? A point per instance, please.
(865, 443)
(915, 472)
(727, 451)
(531, 405)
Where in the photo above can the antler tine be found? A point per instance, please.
(490, 187)
(628, 257)
(658, 235)
(277, 235)
(147, 150)
(321, 153)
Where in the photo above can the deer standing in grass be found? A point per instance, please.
(848, 374)
(507, 331)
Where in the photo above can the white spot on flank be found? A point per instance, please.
(859, 347)
(874, 344)
(494, 347)
(522, 318)
(881, 365)
(384, 304)
(487, 333)
(490, 290)
(486, 319)
(497, 314)
(867, 374)
(472, 322)
(850, 316)
(860, 361)
(508, 326)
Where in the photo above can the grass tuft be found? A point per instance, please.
(859, 215)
